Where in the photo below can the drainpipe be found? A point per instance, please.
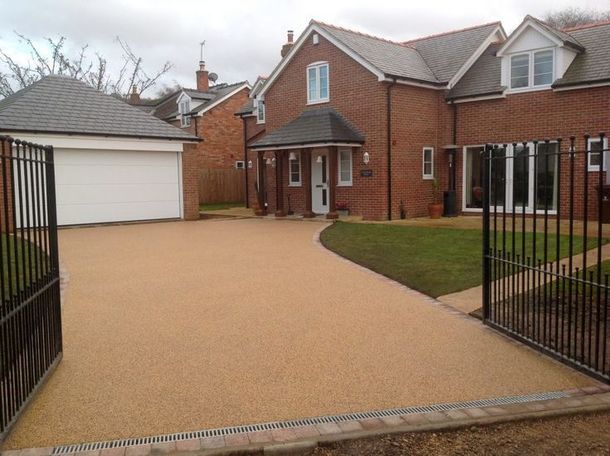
(389, 135)
(246, 161)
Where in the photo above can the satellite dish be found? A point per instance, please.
(213, 77)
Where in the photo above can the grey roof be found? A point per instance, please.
(59, 104)
(593, 65)
(247, 108)
(446, 53)
(588, 67)
(218, 92)
(313, 126)
(391, 58)
(566, 39)
(483, 77)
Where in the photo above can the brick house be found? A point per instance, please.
(363, 123)
(208, 112)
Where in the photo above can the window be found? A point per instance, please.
(185, 120)
(595, 154)
(260, 111)
(345, 166)
(317, 83)
(532, 69)
(294, 170)
(240, 164)
(184, 107)
(428, 163)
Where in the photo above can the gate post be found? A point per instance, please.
(486, 259)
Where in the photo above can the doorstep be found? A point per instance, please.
(302, 435)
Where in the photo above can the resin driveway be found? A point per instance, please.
(182, 326)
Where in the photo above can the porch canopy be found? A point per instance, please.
(315, 128)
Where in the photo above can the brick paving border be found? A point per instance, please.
(301, 439)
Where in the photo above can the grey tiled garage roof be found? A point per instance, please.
(324, 125)
(63, 105)
(483, 77)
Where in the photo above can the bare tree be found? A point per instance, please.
(52, 58)
(574, 16)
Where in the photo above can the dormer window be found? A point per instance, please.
(531, 69)
(184, 107)
(260, 111)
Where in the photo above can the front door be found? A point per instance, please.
(319, 182)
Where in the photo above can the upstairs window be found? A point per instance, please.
(345, 166)
(317, 83)
(184, 107)
(295, 170)
(260, 111)
(185, 120)
(428, 163)
(532, 69)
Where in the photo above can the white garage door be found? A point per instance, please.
(95, 186)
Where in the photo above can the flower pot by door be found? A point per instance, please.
(435, 210)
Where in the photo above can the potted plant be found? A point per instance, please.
(342, 209)
(435, 208)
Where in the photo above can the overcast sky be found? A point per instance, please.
(243, 37)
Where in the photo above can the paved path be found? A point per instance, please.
(472, 298)
(190, 325)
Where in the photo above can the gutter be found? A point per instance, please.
(389, 137)
(103, 135)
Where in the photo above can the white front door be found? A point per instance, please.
(319, 182)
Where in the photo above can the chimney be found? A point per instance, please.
(203, 83)
(289, 43)
(134, 96)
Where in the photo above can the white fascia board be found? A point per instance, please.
(415, 84)
(520, 29)
(475, 56)
(256, 87)
(299, 43)
(245, 85)
(305, 146)
(100, 142)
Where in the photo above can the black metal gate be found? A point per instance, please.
(545, 281)
(30, 311)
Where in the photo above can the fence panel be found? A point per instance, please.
(30, 309)
(545, 278)
(221, 185)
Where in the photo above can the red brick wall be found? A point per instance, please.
(360, 98)
(190, 182)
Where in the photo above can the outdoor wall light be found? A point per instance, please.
(268, 161)
(292, 156)
(250, 164)
(319, 159)
(366, 158)
(273, 162)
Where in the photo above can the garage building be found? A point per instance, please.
(113, 162)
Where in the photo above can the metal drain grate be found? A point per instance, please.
(68, 449)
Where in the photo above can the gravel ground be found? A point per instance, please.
(573, 435)
(180, 326)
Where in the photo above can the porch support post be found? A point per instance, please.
(306, 154)
(279, 184)
(260, 193)
(332, 184)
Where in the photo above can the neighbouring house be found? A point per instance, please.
(208, 112)
(113, 162)
(367, 124)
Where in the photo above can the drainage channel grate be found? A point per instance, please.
(167, 438)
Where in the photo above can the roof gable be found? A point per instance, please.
(63, 105)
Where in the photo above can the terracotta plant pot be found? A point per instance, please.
(435, 210)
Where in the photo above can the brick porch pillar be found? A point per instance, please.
(332, 184)
(306, 154)
(279, 184)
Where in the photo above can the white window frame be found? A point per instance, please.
(260, 103)
(340, 182)
(317, 66)
(184, 106)
(530, 78)
(298, 183)
(185, 120)
(595, 168)
(426, 176)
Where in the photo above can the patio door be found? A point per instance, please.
(319, 182)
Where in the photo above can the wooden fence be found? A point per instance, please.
(221, 185)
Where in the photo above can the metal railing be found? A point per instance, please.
(545, 281)
(30, 309)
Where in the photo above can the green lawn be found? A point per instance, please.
(220, 206)
(435, 261)
(19, 267)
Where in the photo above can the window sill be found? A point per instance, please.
(528, 89)
(428, 178)
(260, 122)
(345, 184)
(315, 102)
(295, 185)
